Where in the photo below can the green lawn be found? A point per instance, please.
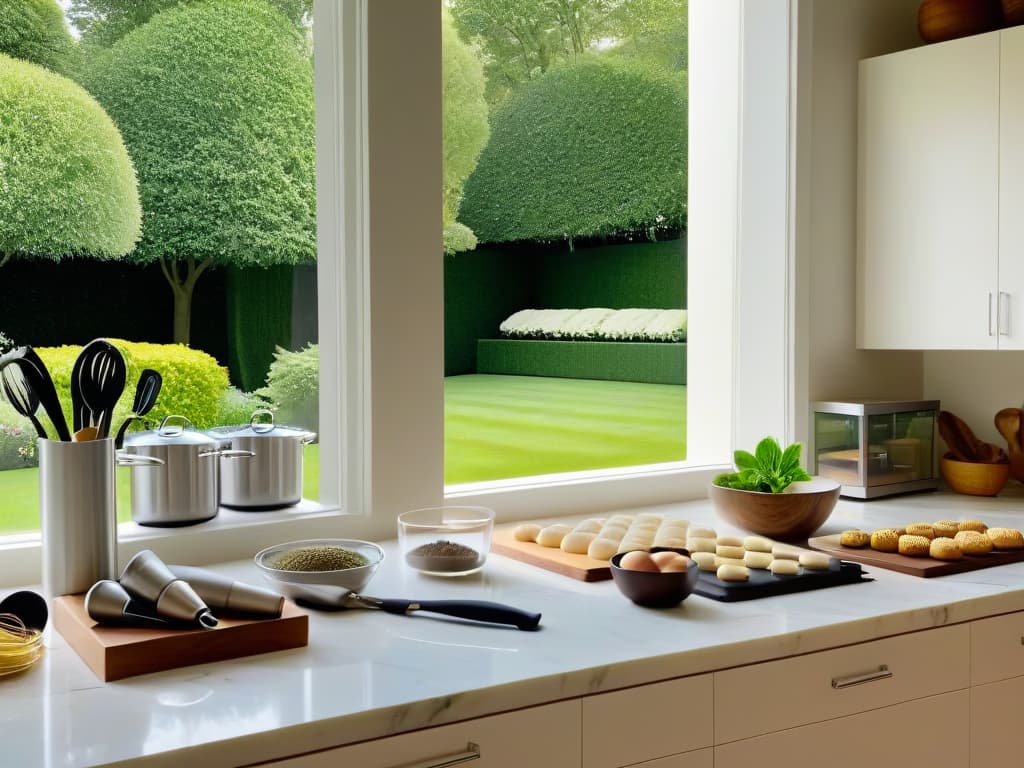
(495, 427)
(512, 426)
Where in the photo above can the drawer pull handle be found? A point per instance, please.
(472, 753)
(882, 673)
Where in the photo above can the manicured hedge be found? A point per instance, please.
(34, 30)
(652, 363)
(67, 186)
(589, 149)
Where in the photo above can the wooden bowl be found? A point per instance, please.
(792, 515)
(939, 20)
(1013, 12)
(972, 478)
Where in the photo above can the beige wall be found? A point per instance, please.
(974, 385)
(834, 35)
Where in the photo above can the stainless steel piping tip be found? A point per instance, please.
(109, 603)
(148, 578)
(224, 593)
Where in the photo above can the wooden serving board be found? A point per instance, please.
(113, 653)
(550, 558)
(915, 566)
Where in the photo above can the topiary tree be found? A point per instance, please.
(215, 100)
(590, 149)
(34, 30)
(67, 186)
(465, 126)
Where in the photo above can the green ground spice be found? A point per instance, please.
(319, 559)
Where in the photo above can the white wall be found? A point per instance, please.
(832, 36)
(974, 385)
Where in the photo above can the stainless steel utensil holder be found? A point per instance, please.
(78, 514)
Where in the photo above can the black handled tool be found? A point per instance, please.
(476, 610)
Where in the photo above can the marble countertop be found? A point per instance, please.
(367, 674)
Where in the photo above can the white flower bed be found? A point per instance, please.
(597, 324)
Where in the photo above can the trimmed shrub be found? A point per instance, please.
(67, 185)
(34, 31)
(237, 407)
(590, 149)
(597, 324)
(293, 387)
(215, 100)
(194, 382)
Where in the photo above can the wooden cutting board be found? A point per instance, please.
(550, 558)
(915, 566)
(113, 653)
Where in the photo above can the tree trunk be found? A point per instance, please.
(183, 286)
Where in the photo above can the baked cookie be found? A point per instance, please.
(944, 548)
(885, 540)
(914, 546)
(946, 528)
(855, 539)
(921, 529)
(972, 525)
(1006, 538)
(973, 543)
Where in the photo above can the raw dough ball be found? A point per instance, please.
(706, 561)
(695, 544)
(730, 541)
(638, 561)
(703, 533)
(785, 552)
(854, 538)
(673, 542)
(526, 532)
(729, 551)
(973, 543)
(577, 542)
(602, 549)
(758, 560)
(591, 525)
(552, 535)
(784, 567)
(719, 560)
(914, 546)
(733, 573)
(757, 544)
(944, 548)
(815, 561)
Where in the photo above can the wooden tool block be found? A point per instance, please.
(113, 653)
(554, 559)
(915, 566)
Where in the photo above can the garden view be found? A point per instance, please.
(158, 190)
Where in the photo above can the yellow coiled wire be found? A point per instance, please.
(20, 647)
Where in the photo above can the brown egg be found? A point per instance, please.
(676, 564)
(669, 561)
(638, 561)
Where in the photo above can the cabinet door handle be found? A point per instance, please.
(882, 673)
(472, 753)
(1003, 313)
(990, 314)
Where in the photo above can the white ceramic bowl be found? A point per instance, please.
(328, 588)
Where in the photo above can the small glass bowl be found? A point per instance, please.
(446, 541)
(320, 587)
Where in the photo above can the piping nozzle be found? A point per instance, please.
(225, 594)
(107, 602)
(146, 577)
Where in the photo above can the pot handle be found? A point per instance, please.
(125, 459)
(227, 454)
(308, 438)
(261, 427)
(166, 429)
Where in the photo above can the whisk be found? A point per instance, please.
(20, 646)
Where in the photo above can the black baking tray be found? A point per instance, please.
(766, 584)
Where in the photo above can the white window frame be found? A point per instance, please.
(381, 309)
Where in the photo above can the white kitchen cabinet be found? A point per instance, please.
(701, 758)
(997, 721)
(931, 731)
(546, 736)
(648, 722)
(930, 165)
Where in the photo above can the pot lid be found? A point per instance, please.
(261, 425)
(173, 430)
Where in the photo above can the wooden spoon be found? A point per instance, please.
(1008, 422)
(958, 436)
